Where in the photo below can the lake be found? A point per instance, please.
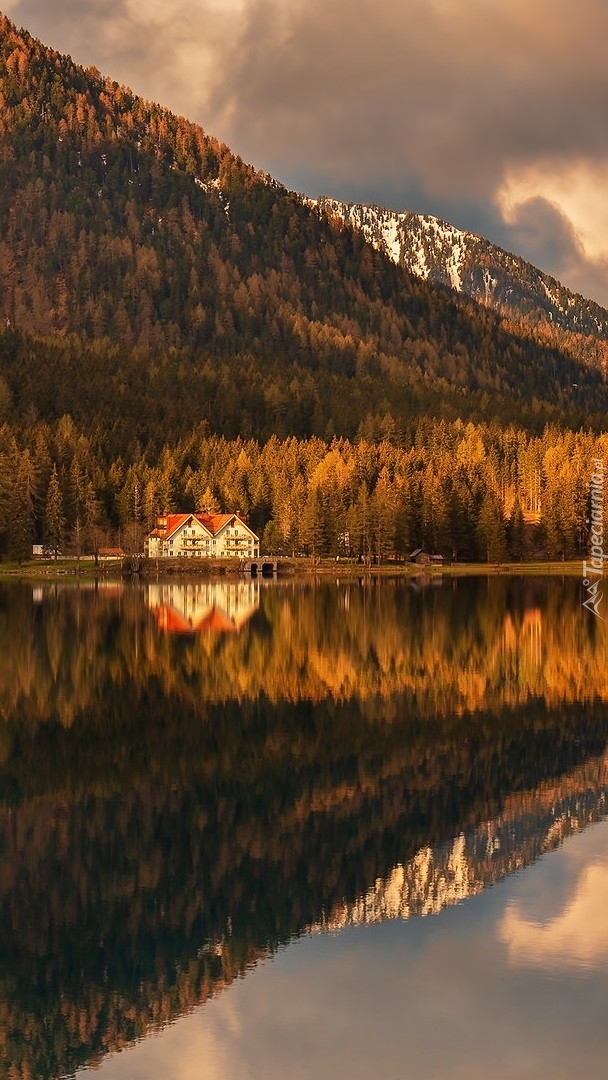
(325, 829)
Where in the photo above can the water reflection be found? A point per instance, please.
(439, 997)
(207, 607)
(438, 877)
(575, 938)
(175, 807)
(464, 647)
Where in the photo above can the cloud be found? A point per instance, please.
(438, 104)
(577, 937)
(449, 93)
(577, 188)
(468, 109)
(540, 230)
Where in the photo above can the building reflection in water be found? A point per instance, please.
(525, 641)
(176, 809)
(207, 607)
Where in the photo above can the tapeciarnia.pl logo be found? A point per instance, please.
(593, 571)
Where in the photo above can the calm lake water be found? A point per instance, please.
(337, 830)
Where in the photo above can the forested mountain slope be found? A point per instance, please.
(206, 285)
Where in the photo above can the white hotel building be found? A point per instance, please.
(217, 536)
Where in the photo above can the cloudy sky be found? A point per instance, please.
(490, 113)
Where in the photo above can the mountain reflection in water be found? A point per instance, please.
(174, 807)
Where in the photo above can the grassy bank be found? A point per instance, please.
(147, 569)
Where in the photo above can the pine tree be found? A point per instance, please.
(271, 538)
(491, 533)
(516, 532)
(54, 519)
(21, 509)
(312, 526)
(383, 506)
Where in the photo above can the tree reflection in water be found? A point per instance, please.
(174, 806)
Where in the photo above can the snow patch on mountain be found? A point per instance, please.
(447, 256)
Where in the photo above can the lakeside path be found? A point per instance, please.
(304, 567)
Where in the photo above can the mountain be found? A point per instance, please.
(166, 281)
(164, 308)
(444, 255)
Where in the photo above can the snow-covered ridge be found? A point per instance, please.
(444, 255)
(418, 241)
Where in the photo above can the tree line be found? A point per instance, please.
(467, 491)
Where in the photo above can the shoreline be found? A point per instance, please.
(153, 569)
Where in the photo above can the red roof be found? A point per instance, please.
(216, 622)
(214, 523)
(175, 622)
(174, 521)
